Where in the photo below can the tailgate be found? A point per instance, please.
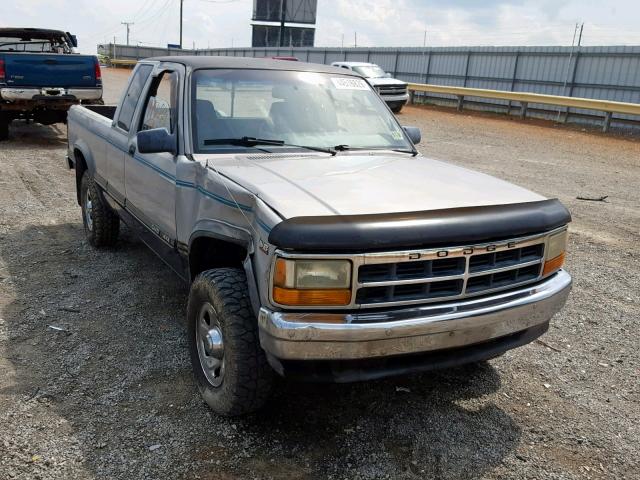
(49, 70)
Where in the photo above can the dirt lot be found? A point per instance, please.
(111, 395)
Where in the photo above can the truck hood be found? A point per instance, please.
(352, 184)
(385, 81)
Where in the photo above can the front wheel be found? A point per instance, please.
(230, 367)
(397, 108)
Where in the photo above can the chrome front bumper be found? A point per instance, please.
(22, 94)
(364, 334)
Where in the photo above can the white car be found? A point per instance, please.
(393, 91)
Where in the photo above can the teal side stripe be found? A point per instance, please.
(155, 168)
(224, 201)
(263, 225)
(180, 183)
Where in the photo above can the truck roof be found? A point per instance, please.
(19, 32)
(203, 61)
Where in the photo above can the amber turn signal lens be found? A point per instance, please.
(287, 296)
(552, 265)
(280, 272)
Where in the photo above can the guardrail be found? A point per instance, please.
(524, 98)
(121, 62)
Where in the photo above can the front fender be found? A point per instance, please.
(224, 231)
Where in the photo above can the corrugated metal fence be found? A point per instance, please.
(607, 73)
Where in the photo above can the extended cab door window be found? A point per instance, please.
(161, 108)
(130, 100)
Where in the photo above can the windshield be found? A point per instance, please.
(297, 108)
(370, 71)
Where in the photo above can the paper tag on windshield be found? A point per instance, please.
(343, 83)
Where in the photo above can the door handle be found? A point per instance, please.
(132, 149)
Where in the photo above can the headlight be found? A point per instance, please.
(312, 282)
(555, 252)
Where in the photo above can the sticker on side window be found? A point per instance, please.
(343, 83)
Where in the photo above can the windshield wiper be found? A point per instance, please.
(404, 150)
(343, 148)
(252, 142)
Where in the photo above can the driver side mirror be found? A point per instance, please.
(414, 134)
(156, 140)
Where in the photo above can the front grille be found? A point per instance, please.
(392, 89)
(468, 272)
(411, 270)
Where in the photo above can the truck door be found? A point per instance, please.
(150, 178)
(118, 141)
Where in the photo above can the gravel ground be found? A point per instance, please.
(95, 380)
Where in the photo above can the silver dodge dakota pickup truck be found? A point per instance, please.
(317, 242)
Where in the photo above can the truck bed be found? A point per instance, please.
(104, 110)
(91, 123)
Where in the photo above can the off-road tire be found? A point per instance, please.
(397, 109)
(105, 224)
(247, 379)
(4, 127)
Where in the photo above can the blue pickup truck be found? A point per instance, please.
(41, 76)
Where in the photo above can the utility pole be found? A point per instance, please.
(424, 41)
(128, 24)
(283, 17)
(355, 39)
(181, 2)
(341, 45)
(566, 75)
(580, 36)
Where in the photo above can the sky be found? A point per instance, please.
(389, 23)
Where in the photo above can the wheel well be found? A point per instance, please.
(81, 167)
(206, 253)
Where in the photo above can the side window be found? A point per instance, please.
(133, 94)
(344, 66)
(160, 109)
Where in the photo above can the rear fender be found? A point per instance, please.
(82, 160)
(82, 147)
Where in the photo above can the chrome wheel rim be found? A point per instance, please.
(210, 344)
(88, 210)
